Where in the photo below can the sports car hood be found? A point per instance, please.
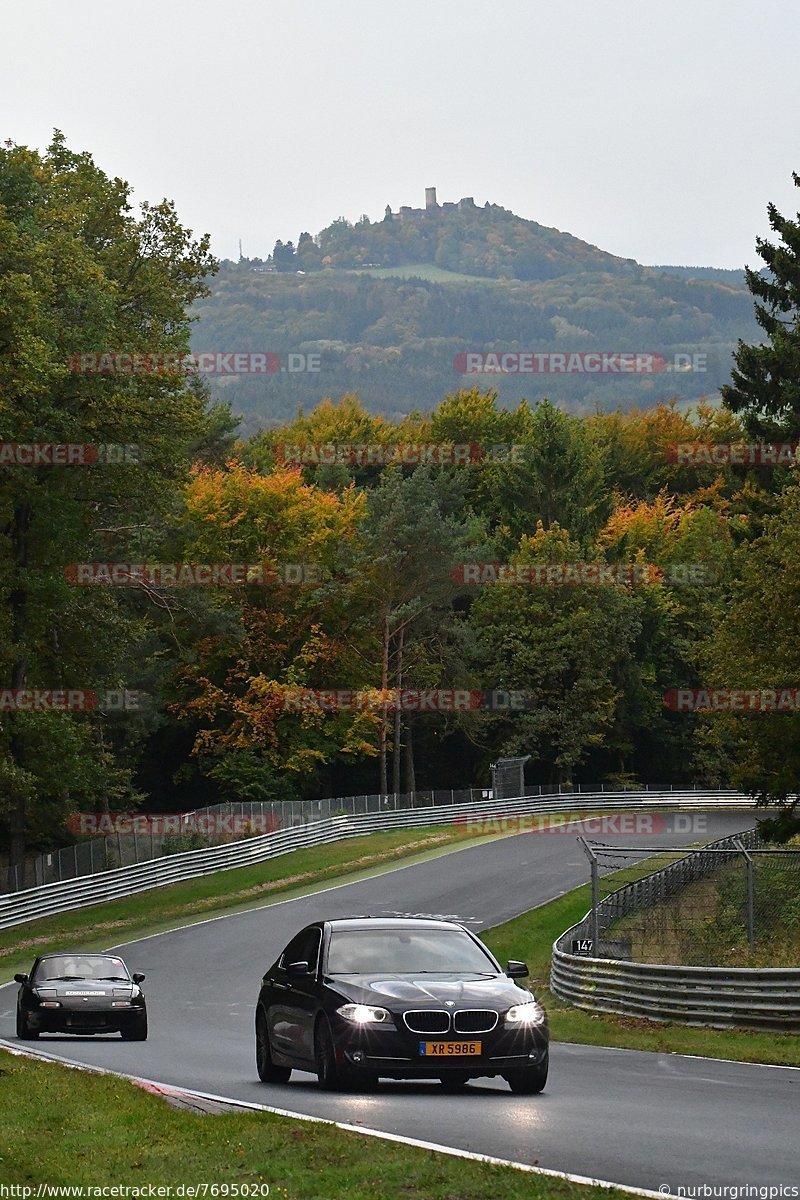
(97, 989)
(426, 991)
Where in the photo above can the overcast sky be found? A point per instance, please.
(655, 132)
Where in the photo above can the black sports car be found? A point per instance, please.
(81, 993)
(401, 998)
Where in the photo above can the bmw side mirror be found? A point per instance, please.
(137, 976)
(20, 978)
(298, 968)
(516, 970)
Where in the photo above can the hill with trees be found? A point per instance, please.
(386, 308)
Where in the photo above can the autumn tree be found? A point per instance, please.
(79, 272)
(756, 645)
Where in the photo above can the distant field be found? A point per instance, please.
(427, 271)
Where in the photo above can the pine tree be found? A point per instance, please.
(766, 378)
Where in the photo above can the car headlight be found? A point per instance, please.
(47, 998)
(526, 1014)
(365, 1014)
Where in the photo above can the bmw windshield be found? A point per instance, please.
(406, 951)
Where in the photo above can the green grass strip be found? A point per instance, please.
(163, 908)
(61, 1126)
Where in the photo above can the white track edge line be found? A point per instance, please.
(418, 1143)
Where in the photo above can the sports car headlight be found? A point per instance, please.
(47, 998)
(526, 1014)
(365, 1014)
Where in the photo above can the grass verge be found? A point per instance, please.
(531, 937)
(162, 908)
(63, 1126)
(292, 874)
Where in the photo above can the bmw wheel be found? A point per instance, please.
(529, 1080)
(331, 1076)
(268, 1072)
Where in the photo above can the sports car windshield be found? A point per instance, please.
(403, 951)
(81, 966)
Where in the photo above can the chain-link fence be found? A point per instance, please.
(139, 838)
(508, 777)
(222, 823)
(734, 903)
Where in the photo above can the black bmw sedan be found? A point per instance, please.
(81, 993)
(365, 997)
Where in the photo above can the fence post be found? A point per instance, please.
(595, 894)
(751, 915)
(751, 908)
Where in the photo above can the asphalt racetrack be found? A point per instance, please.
(641, 1119)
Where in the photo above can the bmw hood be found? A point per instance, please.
(430, 992)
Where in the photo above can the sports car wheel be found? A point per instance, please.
(137, 1030)
(331, 1076)
(530, 1080)
(24, 1030)
(267, 1071)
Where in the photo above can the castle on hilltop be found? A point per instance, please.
(406, 213)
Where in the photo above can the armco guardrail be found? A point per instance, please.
(52, 898)
(216, 825)
(757, 998)
(767, 998)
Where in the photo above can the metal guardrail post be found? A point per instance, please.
(594, 924)
(751, 915)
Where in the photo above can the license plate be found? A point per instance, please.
(448, 1049)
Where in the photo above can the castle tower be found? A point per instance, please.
(430, 198)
